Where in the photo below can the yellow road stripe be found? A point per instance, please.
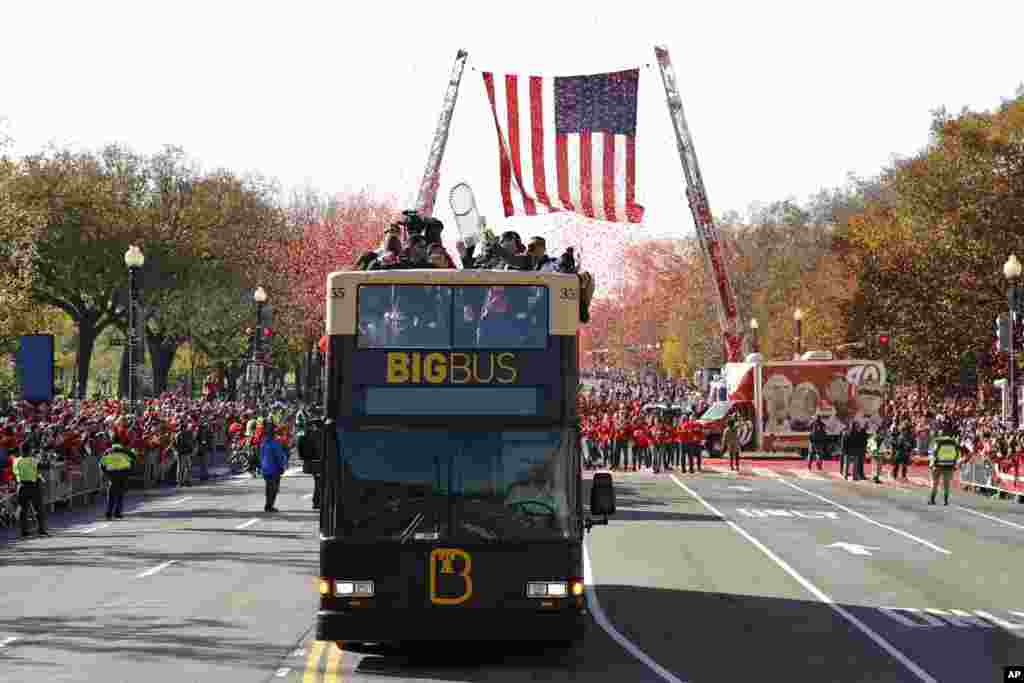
(316, 651)
(331, 672)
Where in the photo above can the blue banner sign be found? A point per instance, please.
(35, 367)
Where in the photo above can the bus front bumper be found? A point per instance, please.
(474, 624)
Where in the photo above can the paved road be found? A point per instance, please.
(708, 577)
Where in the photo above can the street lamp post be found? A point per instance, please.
(753, 335)
(134, 259)
(798, 317)
(260, 297)
(1012, 269)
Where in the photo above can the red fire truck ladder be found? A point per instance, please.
(707, 232)
(432, 175)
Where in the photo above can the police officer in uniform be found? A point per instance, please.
(30, 491)
(116, 464)
(942, 461)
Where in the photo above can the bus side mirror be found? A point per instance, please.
(602, 495)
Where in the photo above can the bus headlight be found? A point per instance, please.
(354, 589)
(547, 589)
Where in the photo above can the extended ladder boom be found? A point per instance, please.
(707, 233)
(432, 175)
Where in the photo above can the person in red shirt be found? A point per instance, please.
(691, 438)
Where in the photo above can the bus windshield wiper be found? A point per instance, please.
(409, 531)
(479, 531)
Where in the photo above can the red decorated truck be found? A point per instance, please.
(777, 401)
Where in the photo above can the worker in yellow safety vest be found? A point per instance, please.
(117, 464)
(942, 461)
(30, 491)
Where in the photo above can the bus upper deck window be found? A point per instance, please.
(504, 316)
(414, 316)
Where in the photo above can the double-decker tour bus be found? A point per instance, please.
(452, 502)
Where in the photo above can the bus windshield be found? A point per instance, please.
(453, 317)
(429, 485)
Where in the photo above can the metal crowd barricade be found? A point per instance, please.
(87, 482)
(981, 474)
(58, 485)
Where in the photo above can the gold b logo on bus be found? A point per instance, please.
(450, 570)
(412, 367)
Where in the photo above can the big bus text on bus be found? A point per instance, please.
(453, 494)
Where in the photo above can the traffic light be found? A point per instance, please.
(1003, 332)
(884, 343)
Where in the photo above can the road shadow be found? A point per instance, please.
(736, 637)
(485, 661)
(224, 513)
(47, 557)
(138, 500)
(703, 636)
(639, 502)
(638, 514)
(147, 637)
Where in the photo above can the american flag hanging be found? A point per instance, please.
(567, 144)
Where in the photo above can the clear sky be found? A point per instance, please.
(783, 98)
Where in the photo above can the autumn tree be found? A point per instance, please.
(928, 257)
(19, 228)
(326, 235)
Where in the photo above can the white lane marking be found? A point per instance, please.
(894, 614)
(811, 514)
(246, 525)
(813, 590)
(96, 528)
(994, 519)
(804, 514)
(764, 472)
(602, 619)
(807, 474)
(154, 570)
(282, 672)
(717, 469)
(307, 496)
(960, 618)
(867, 519)
(997, 621)
(744, 489)
(854, 548)
(176, 502)
(921, 481)
(7, 641)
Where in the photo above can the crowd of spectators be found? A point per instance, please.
(612, 408)
(66, 431)
(978, 425)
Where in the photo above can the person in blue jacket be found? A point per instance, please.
(273, 461)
